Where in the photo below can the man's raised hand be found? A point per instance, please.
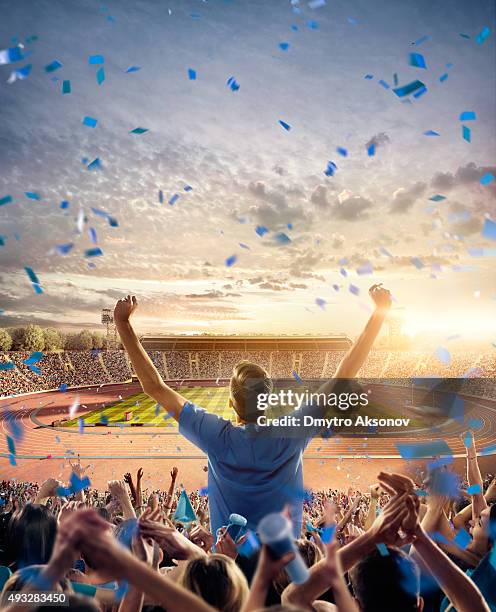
(124, 309)
(380, 296)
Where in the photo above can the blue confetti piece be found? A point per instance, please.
(475, 423)
(173, 199)
(383, 83)
(100, 75)
(285, 125)
(232, 84)
(313, 25)
(34, 280)
(230, 261)
(457, 410)
(297, 377)
(445, 483)
(365, 269)
(244, 246)
(368, 77)
(20, 74)
(96, 59)
(431, 133)
(468, 116)
(382, 548)
(11, 55)
(483, 34)
(33, 358)
(55, 65)
(336, 287)
(442, 354)
(191, 74)
(11, 445)
(468, 439)
(417, 60)
(327, 534)
(424, 450)
(9, 365)
(92, 235)
(63, 387)
(315, 4)
(489, 229)
(284, 46)
(32, 195)
(437, 198)
(354, 290)
(342, 151)
(462, 538)
(474, 489)
(64, 205)
(133, 69)
(466, 133)
(139, 130)
(408, 89)
(66, 87)
(90, 122)
(282, 238)
(371, 150)
(420, 40)
(261, 230)
(95, 164)
(485, 179)
(417, 263)
(443, 77)
(330, 169)
(188, 188)
(80, 425)
(160, 196)
(94, 252)
(5, 200)
(321, 303)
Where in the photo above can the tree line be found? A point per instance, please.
(35, 338)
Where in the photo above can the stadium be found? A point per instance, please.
(89, 403)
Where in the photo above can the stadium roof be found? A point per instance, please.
(246, 343)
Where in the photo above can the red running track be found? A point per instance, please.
(337, 462)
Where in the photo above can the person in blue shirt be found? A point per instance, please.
(248, 474)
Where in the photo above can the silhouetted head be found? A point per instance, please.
(32, 535)
(389, 582)
(248, 380)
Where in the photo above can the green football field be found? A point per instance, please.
(213, 399)
(145, 410)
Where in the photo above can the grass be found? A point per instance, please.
(213, 399)
(145, 410)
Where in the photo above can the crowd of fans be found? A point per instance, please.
(78, 368)
(397, 547)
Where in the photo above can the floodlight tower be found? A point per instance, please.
(108, 321)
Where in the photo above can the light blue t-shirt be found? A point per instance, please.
(247, 474)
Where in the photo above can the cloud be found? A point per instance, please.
(319, 196)
(378, 140)
(214, 294)
(337, 240)
(467, 175)
(404, 199)
(353, 208)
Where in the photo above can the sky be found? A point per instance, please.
(244, 168)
